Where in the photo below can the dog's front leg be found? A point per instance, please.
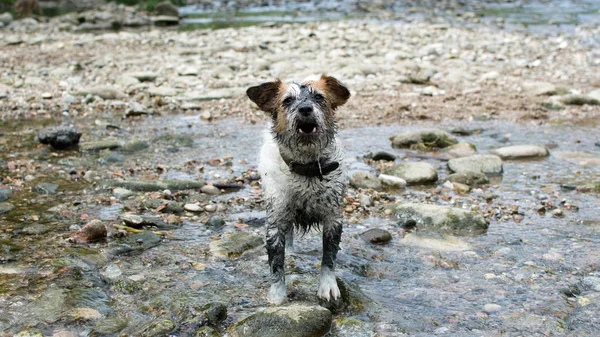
(276, 232)
(332, 235)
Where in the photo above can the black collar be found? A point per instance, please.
(317, 168)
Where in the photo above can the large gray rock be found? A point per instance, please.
(483, 163)
(234, 245)
(521, 151)
(365, 180)
(62, 137)
(5, 193)
(426, 138)
(296, 320)
(413, 173)
(45, 188)
(440, 219)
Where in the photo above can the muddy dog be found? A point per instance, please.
(302, 175)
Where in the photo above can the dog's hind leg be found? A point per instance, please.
(332, 235)
(276, 233)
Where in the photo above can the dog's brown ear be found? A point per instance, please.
(265, 95)
(336, 92)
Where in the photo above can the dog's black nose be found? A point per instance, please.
(305, 110)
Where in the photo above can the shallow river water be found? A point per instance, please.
(531, 273)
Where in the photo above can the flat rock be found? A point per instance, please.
(122, 193)
(491, 308)
(165, 20)
(459, 150)
(5, 193)
(468, 178)
(440, 219)
(414, 173)
(157, 185)
(126, 81)
(166, 8)
(427, 138)
(143, 76)
(295, 320)
(234, 245)
(45, 188)
(211, 95)
(594, 94)
(365, 180)
(483, 163)
(134, 146)
(92, 231)
(136, 109)
(6, 207)
(103, 91)
(521, 151)
(193, 208)
(376, 235)
(162, 91)
(381, 155)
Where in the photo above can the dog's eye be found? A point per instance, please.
(288, 100)
(319, 97)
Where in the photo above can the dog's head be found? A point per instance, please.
(303, 113)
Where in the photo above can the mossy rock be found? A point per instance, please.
(424, 139)
(440, 219)
(234, 245)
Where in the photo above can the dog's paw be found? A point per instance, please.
(277, 293)
(328, 288)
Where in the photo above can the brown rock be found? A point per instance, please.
(92, 231)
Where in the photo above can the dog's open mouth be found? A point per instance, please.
(307, 128)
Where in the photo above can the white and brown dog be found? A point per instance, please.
(302, 176)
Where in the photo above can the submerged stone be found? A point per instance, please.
(157, 185)
(376, 235)
(206, 331)
(460, 150)
(295, 320)
(441, 219)
(45, 188)
(100, 145)
(233, 245)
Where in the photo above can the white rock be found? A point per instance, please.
(192, 208)
(521, 151)
(392, 181)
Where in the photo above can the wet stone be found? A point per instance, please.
(163, 206)
(6, 207)
(157, 185)
(62, 137)
(295, 320)
(521, 151)
(234, 245)
(350, 327)
(441, 219)
(162, 91)
(376, 235)
(5, 193)
(136, 109)
(381, 155)
(425, 138)
(392, 181)
(104, 92)
(215, 313)
(460, 150)
(144, 76)
(215, 222)
(365, 180)
(158, 328)
(111, 157)
(206, 331)
(210, 190)
(166, 8)
(45, 188)
(122, 193)
(142, 241)
(414, 173)
(468, 178)
(482, 163)
(193, 208)
(91, 232)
